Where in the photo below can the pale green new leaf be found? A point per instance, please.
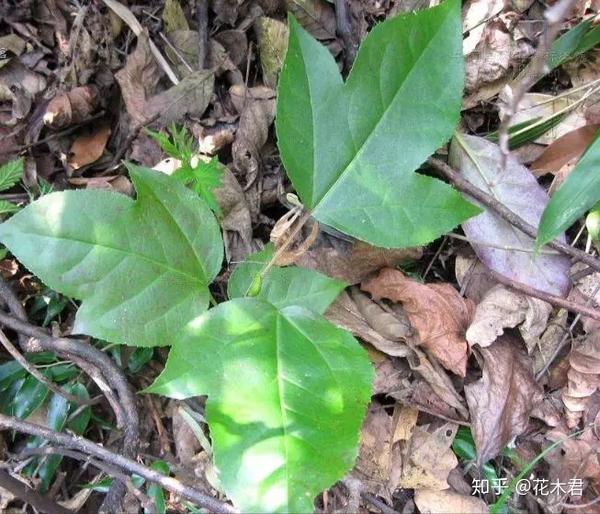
(142, 267)
(284, 286)
(578, 193)
(287, 392)
(351, 149)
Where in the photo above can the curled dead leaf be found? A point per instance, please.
(71, 107)
(436, 311)
(88, 148)
(503, 308)
(501, 401)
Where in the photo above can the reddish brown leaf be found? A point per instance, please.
(87, 149)
(438, 313)
(564, 149)
(501, 401)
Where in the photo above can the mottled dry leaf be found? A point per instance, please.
(256, 107)
(138, 79)
(316, 16)
(448, 502)
(88, 148)
(501, 401)
(429, 458)
(503, 308)
(19, 87)
(272, 38)
(479, 161)
(351, 261)
(437, 312)
(345, 313)
(71, 107)
(375, 455)
(389, 373)
(564, 149)
(583, 378)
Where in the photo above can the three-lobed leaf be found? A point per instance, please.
(142, 267)
(351, 148)
(579, 193)
(287, 392)
(284, 286)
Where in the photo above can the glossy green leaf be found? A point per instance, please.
(351, 148)
(29, 398)
(142, 268)
(287, 392)
(155, 492)
(578, 193)
(284, 286)
(574, 42)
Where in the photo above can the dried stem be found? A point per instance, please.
(535, 71)
(30, 496)
(88, 447)
(32, 370)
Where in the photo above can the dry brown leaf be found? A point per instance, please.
(448, 502)
(374, 461)
(472, 276)
(438, 380)
(138, 79)
(350, 261)
(429, 458)
(501, 401)
(503, 308)
(345, 313)
(71, 107)
(583, 378)
(390, 374)
(316, 16)
(256, 107)
(19, 86)
(88, 148)
(436, 311)
(117, 183)
(564, 149)
(549, 340)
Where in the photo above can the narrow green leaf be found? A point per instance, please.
(11, 173)
(284, 286)
(287, 392)
(142, 268)
(574, 42)
(577, 194)
(351, 148)
(7, 207)
(29, 398)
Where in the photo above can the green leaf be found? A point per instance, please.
(577, 194)
(11, 173)
(287, 392)
(203, 178)
(29, 397)
(284, 286)
(155, 491)
(7, 207)
(139, 358)
(574, 42)
(142, 268)
(351, 148)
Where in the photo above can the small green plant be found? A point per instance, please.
(10, 174)
(202, 177)
(287, 390)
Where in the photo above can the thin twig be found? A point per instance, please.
(542, 295)
(32, 370)
(90, 448)
(202, 20)
(505, 213)
(30, 496)
(535, 71)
